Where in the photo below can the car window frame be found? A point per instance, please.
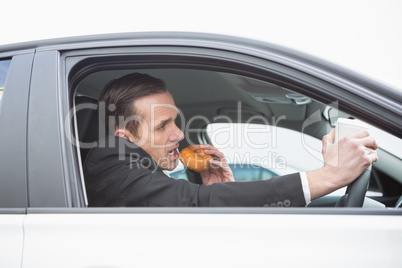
(189, 58)
(70, 59)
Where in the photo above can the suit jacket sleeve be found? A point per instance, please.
(283, 191)
(113, 180)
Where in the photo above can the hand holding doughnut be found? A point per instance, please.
(209, 162)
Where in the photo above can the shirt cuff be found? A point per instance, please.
(306, 188)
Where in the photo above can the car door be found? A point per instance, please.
(61, 231)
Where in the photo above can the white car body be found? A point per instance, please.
(210, 239)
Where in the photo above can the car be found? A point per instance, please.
(49, 117)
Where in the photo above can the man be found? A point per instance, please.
(126, 169)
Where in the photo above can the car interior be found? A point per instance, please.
(211, 96)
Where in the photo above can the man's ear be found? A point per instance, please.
(125, 134)
(120, 132)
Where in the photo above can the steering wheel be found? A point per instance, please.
(356, 191)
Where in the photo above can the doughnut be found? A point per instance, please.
(195, 159)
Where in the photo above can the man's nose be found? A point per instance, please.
(177, 135)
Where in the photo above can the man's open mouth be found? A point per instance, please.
(173, 152)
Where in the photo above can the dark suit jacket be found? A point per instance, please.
(120, 174)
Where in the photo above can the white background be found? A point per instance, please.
(363, 35)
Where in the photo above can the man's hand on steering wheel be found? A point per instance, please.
(344, 161)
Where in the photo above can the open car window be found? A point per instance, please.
(265, 127)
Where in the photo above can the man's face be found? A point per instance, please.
(158, 134)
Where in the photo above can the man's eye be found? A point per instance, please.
(162, 127)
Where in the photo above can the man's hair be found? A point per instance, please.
(120, 94)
